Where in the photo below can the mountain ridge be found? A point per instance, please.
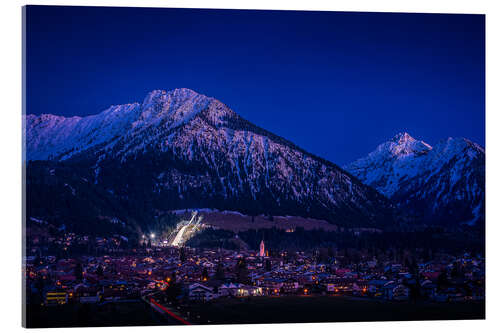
(445, 181)
(180, 149)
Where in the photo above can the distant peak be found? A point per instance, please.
(402, 137)
(403, 144)
(458, 144)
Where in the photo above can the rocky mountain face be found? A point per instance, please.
(180, 149)
(444, 184)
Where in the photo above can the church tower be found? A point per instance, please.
(262, 252)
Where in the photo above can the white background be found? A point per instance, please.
(10, 156)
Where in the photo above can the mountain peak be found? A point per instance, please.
(176, 106)
(448, 179)
(177, 94)
(402, 137)
(402, 145)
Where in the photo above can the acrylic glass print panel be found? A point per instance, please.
(193, 166)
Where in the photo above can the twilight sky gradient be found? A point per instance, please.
(337, 84)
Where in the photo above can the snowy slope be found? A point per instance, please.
(181, 149)
(445, 182)
(56, 137)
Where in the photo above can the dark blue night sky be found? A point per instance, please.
(336, 84)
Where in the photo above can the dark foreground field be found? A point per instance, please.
(89, 315)
(328, 309)
(293, 309)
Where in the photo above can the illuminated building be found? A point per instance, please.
(262, 249)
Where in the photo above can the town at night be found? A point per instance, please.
(221, 166)
(160, 283)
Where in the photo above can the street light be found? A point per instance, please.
(152, 235)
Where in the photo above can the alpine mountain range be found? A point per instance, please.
(180, 149)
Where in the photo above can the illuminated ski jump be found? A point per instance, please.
(186, 230)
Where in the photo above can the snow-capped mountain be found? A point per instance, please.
(444, 183)
(180, 149)
(56, 137)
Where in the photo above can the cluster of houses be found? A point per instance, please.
(205, 291)
(58, 240)
(433, 282)
(205, 275)
(50, 282)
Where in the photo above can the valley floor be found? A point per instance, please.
(136, 313)
(291, 309)
(304, 309)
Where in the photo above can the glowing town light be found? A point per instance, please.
(152, 235)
